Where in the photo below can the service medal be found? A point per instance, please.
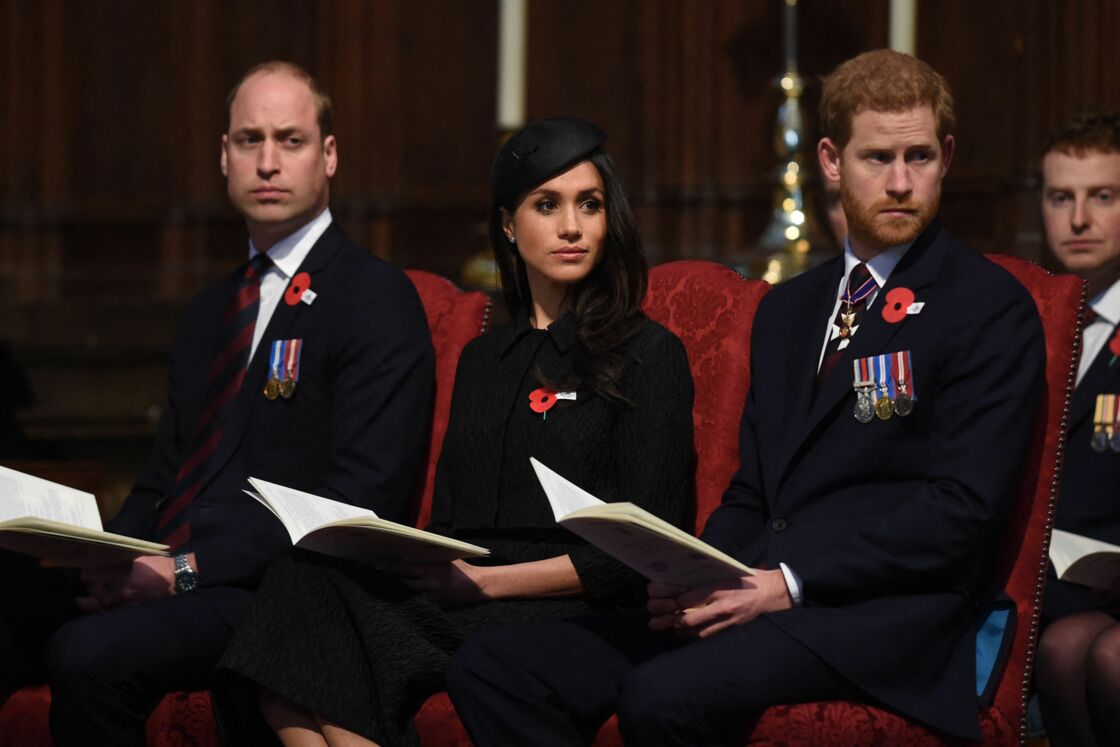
(1114, 442)
(865, 408)
(904, 402)
(862, 383)
(1104, 419)
(884, 408)
(287, 388)
(272, 389)
(903, 405)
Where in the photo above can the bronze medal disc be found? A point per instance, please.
(884, 408)
(287, 388)
(272, 389)
(903, 405)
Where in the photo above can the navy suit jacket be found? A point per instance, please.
(886, 522)
(1089, 502)
(1090, 497)
(354, 431)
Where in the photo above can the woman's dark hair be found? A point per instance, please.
(604, 307)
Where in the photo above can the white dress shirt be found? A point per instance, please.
(287, 255)
(1095, 335)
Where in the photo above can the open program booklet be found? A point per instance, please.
(653, 547)
(60, 525)
(1085, 561)
(345, 531)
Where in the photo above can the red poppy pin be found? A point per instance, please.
(541, 400)
(300, 284)
(1114, 346)
(897, 303)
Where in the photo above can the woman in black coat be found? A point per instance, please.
(332, 651)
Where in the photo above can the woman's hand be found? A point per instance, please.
(452, 583)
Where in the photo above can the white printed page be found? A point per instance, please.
(1067, 547)
(23, 495)
(655, 555)
(303, 512)
(564, 497)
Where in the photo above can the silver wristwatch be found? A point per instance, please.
(185, 577)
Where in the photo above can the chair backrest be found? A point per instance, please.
(711, 309)
(1020, 561)
(455, 317)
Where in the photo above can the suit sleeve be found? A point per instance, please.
(381, 394)
(986, 397)
(653, 437)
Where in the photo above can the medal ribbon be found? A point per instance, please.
(1110, 414)
(863, 291)
(275, 359)
(292, 358)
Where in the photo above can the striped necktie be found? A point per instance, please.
(223, 382)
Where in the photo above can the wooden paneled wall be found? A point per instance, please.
(112, 209)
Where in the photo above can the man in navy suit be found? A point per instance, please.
(1078, 675)
(893, 391)
(311, 367)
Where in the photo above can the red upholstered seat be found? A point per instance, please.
(185, 719)
(711, 308)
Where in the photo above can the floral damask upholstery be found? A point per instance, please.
(455, 318)
(711, 309)
(185, 719)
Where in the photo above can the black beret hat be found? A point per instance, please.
(539, 151)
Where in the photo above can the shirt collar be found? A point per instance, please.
(880, 266)
(1107, 304)
(288, 253)
(562, 332)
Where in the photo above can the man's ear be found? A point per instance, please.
(330, 151)
(223, 160)
(948, 146)
(829, 156)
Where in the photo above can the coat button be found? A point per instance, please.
(778, 525)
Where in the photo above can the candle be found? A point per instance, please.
(903, 21)
(789, 29)
(512, 31)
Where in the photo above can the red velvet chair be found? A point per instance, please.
(1020, 561)
(455, 318)
(711, 308)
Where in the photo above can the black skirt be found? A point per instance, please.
(350, 644)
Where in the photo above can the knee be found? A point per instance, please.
(652, 709)
(480, 659)
(77, 655)
(1103, 659)
(1062, 646)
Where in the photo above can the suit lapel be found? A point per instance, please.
(1101, 377)
(283, 316)
(917, 270)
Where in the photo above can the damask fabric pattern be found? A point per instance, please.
(455, 318)
(711, 309)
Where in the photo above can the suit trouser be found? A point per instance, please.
(108, 670)
(555, 683)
